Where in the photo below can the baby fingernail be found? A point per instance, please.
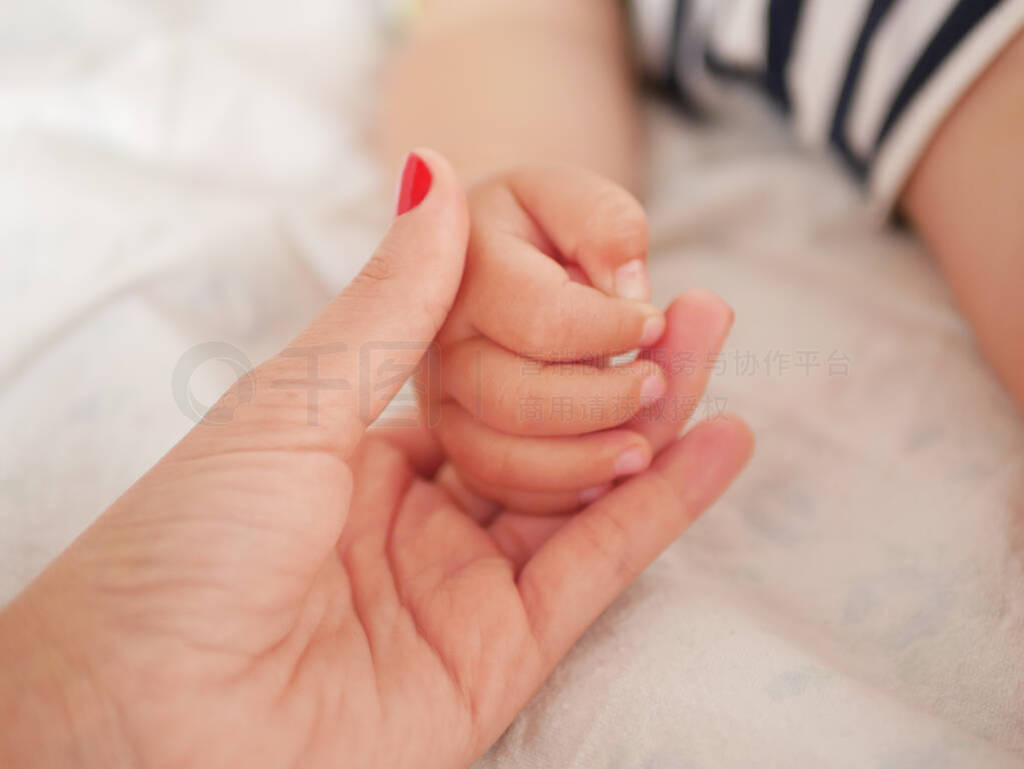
(654, 327)
(631, 281)
(630, 462)
(652, 387)
(594, 493)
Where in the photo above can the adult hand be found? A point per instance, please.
(285, 589)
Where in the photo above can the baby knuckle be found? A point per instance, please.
(574, 316)
(498, 403)
(501, 467)
(618, 222)
(514, 396)
(541, 331)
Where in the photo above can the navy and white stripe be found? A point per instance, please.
(871, 78)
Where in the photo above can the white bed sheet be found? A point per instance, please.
(177, 172)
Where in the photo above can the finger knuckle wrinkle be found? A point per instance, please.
(620, 224)
(377, 269)
(539, 336)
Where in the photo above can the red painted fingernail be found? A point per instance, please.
(416, 179)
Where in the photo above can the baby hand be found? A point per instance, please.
(528, 410)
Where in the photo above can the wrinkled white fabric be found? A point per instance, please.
(177, 172)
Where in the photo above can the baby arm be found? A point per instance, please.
(496, 84)
(965, 200)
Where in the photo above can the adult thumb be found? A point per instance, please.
(344, 368)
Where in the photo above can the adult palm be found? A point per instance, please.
(284, 589)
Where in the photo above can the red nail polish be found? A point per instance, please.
(416, 179)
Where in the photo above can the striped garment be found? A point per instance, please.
(871, 78)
